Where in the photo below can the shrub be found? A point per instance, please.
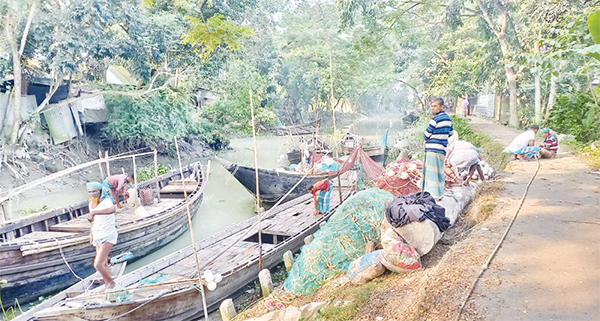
(576, 114)
(140, 121)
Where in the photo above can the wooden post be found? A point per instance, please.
(156, 175)
(308, 239)
(189, 216)
(107, 164)
(257, 184)
(266, 283)
(227, 310)
(288, 260)
(135, 182)
(100, 165)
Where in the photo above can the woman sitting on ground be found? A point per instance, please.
(549, 148)
(463, 156)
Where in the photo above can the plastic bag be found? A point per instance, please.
(398, 256)
(366, 268)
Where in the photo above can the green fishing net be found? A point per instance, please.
(344, 238)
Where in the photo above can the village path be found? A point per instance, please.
(548, 268)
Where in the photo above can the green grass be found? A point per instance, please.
(147, 172)
(353, 300)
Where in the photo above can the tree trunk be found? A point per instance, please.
(511, 77)
(538, 90)
(552, 96)
(15, 100)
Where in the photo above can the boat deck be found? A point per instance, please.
(123, 216)
(228, 252)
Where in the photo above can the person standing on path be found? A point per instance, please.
(436, 139)
(465, 105)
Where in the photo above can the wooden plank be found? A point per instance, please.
(178, 189)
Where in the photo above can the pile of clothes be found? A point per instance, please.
(416, 207)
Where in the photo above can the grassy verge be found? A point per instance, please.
(592, 156)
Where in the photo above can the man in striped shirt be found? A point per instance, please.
(436, 139)
(549, 148)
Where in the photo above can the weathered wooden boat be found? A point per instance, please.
(349, 141)
(41, 254)
(273, 184)
(233, 253)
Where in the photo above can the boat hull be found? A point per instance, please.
(273, 185)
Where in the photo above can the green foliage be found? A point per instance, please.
(147, 172)
(594, 25)
(207, 35)
(578, 114)
(592, 155)
(232, 111)
(158, 116)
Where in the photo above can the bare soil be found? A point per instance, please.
(548, 267)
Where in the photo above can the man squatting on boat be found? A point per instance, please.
(113, 186)
(322, 200)
(104, 231)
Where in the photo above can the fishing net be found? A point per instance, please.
(350, 233)
(401, 177)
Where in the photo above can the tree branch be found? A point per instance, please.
(486, 16)
(26, 31)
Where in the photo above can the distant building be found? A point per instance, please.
(117, 75)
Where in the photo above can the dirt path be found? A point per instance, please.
(548, 268)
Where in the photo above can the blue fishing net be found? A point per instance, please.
(344, 238)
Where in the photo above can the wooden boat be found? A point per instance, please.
(273, 184)
(37, 253)
(233, 253)
(300, 129)
(349, 141)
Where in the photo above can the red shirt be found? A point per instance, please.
(117, 181)
(321, 186)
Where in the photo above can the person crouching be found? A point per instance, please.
(104, 230)
(324, 188)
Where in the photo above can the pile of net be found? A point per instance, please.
(401, 177)
(352, 229)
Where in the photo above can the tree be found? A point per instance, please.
(10, 11)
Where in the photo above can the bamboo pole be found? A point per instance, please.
(135, 183)
(107, 164)
(100, 165)
(156, 174)
(337, 164)
(257, 184)
(189, 215)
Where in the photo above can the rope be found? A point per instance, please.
(62, 254)
(493, 254)
(139, 306)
